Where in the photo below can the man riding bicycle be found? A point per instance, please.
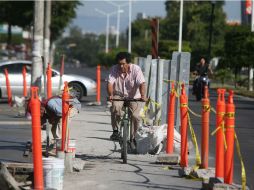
(125, 80)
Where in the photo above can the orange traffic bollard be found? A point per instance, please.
(24, 81)
(36, 136)
(65, 109)
(230, 135)
(171, 121)
(220, 112)
(98, 86)
(8, 87)
(49, 82)
(184, 128)
(205, 130)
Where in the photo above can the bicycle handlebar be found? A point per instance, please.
(126, 100)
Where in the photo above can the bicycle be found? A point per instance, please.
(125, 127)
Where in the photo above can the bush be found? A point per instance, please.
(223, 75)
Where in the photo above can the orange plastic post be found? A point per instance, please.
(49, 82)
(65, 109)
(230, 134)
(171, 121)
(184, 128)
(220, 112)
(8, 86)
(205, 130)
(24, 81)
(98, 86)
(36, 136)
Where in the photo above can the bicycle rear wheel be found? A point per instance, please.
(125, 139)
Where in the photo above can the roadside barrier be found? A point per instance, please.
(220, 112)
(184, 127)
(49, 81)
(36, 136)
(65, 109)
(171, 121)
(225, 136)
(24, 81)
(230, 131)
(205, 129)
(8, 86)
(98, 86)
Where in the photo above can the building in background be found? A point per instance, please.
(246, 12)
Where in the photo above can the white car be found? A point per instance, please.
(80, 85)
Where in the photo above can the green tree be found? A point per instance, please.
(239, 43)
(62, 12)
(20, 13)
(16, 13)
(196, 17)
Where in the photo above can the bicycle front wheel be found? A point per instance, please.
(125, 139)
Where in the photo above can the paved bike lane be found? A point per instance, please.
(103, 167)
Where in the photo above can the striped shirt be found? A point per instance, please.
(126, 86)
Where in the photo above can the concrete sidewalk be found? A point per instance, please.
(103, 167)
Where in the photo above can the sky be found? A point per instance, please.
(90, 20)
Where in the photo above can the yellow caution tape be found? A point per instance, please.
(223, 130)
(206, 107)
(230, 114)
(194, 140)
(221, 126)
(213, 110)
(193, 113)
(145, 109)
(184, 105)
(155, 103)
(243, 173)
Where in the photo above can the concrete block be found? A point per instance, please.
(204, 173)
(184, 171)
(223, 186)
(218, 184)
(68, 162)
(168, 158)
(78, 164)
(60, 154)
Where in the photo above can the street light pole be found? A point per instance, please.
(129, 32)
(118, 18)
(107, 26)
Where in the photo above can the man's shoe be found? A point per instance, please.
(115, 136)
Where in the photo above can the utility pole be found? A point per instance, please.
(180, 27)
(37, 44)
(46, 43)
(129, 32)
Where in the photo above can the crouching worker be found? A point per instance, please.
(51, 112)
(125, 80)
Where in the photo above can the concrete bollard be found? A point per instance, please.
(68, 162)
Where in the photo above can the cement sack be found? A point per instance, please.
(152, 139)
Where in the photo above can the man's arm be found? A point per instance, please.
(142, 89)
(110, 90)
